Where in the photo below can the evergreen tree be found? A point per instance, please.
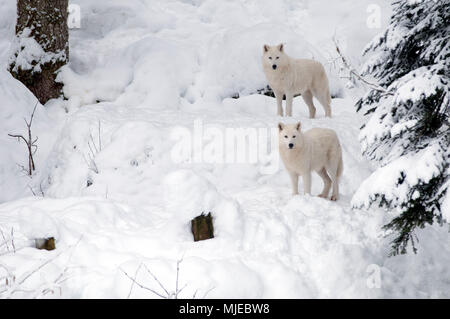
(408, 130)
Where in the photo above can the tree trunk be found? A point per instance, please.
(41, 46)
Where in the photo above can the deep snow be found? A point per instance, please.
(144, 74)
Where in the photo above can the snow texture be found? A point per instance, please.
(115, 199)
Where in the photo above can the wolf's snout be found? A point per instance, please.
(291, 145)
(274, 66)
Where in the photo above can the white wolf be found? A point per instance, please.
(291, 76)
(315, 150)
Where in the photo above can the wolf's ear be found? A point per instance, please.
(281, 47)
(266, 48)
(280, 126)
(298, 126)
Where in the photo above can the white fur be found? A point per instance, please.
(295, 76)
(315, 150)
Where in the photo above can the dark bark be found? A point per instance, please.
(47, 20)
(202, 227)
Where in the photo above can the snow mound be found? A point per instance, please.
(17, 105)
(189, 195)
(150, 72)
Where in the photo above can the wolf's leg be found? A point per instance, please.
(308, 98)
(306, 176)
(289, 99)
(325, 99)
(279, 97)
(332, 169)
(294, 180)
(326, 182)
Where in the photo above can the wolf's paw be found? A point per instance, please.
(334, 198)
(322, 196)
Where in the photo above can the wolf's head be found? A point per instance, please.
(290, 136)
(274, 57)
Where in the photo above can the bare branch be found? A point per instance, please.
(32, 115)
(142, 286)
(178, 273)
(12, 240)
(99, 136)
(5, 242)
(352, 71)
(208, 291)
(41, 190)
(31, 189)
(19, 137)
(93, 144)
(132, 284)
(156, 279)
(39, 268)
(29, 142)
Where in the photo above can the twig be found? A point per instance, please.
(156, 279)
(93, 150)
(178, 272)
(39, 268)
(142, 286)
(41, 190)
(58, 279)
(208, 291)
(99, 136)
(5, 242)
(132, 284)
(31, 144)
(12, 240)
(356, 74)
(169, 295)
(177, 291)
(31, 189)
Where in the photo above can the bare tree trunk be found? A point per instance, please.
(41, 24)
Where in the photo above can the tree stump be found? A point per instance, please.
(45, 243)
(202, 227)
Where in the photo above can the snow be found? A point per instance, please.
(398, 128)
(420, 167)
(145, 75)
(28, 53)
(17, 105)
(420, 83)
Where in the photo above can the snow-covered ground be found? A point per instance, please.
(140, 148)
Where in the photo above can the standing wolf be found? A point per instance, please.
(290, 76)
(315, 150)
